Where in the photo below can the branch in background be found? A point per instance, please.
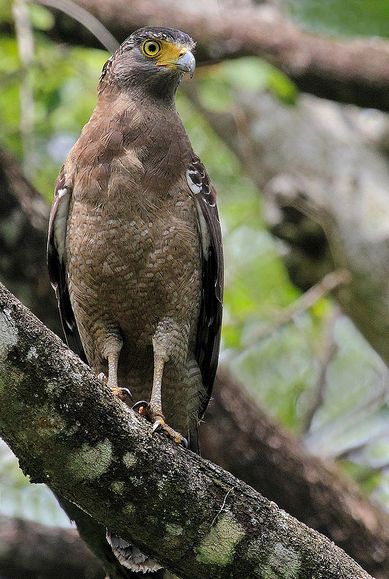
(23, 221)
(236, 433)
(199, 521)
(86, 19)
(328, 284)
(328, 351)
(34, 551)
(350, 71)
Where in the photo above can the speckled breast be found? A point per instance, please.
(133, 267)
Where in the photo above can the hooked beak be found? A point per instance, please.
(186, 63)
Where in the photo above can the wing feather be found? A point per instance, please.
(210, 318)
(56, 261)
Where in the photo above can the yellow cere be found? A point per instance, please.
(165, 53)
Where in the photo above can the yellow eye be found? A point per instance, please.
(151, 48)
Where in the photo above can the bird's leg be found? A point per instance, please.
(122, 393)
(153, 410)
(155, 405)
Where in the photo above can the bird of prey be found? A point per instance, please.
(134, 247)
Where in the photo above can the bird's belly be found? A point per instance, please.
(131, 274)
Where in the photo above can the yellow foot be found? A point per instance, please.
(124, 394)
(159, 424)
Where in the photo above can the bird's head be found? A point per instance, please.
(151, 60)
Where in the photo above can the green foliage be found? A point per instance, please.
(5, 11)
(342, 17)
(41, 19)
(217, 84)
(64, 81)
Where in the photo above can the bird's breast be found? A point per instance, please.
(134, 266)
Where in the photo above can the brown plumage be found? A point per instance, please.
(134, 248)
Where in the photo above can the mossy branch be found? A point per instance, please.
(196, 519)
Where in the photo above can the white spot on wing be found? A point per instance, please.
(194, 187)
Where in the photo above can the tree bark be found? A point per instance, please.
(349, 71)
(196, 519)
(94, 535)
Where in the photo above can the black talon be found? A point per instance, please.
(157, 426)
(139, 405)
(124, 394)
(184, 442)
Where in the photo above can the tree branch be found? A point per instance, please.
(70, 432)
(34, 551)
(94, 534)
(350, 71)
(329, 283)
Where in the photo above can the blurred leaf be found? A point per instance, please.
(255, 74)
(231, 335)
(217, 84)
(41, 18)
(277, 371)
(282, 87)
(5, 11)
(341, 17)
(216, 95)
(249, 72)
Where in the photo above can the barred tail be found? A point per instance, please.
(130, 556)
